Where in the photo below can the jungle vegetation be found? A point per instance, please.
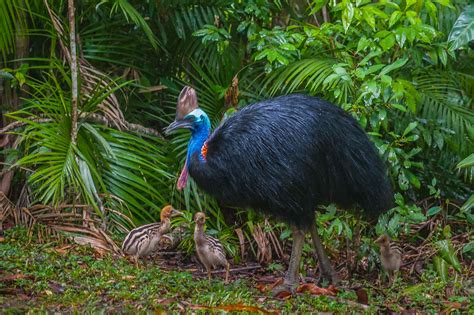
(85, 93)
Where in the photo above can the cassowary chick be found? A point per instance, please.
(390, 256)
(209, 249)
(141, 241)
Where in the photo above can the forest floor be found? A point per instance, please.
(57, 277)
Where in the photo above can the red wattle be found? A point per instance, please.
(183, 178)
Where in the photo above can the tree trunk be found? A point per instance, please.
(74, 70)
(11, 99)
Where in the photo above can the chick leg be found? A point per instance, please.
(208, 273)
(135, 259)
(327, 271)
(291, 278)
(227, 267)
(390, 278)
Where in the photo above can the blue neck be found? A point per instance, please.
(199, 134)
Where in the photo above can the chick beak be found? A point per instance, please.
(175, 213)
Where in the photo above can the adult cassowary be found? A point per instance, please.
(285, 156)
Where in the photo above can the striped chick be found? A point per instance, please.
(390, 256)
(209, 249)
(141, 241)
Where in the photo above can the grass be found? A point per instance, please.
(57, 280)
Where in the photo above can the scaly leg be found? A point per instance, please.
(291, 278)
(327, 271)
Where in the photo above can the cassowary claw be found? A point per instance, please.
(284, 287)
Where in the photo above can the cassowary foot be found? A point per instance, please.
(284, 287)
(328, 278)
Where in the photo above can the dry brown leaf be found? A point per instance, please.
(63, 250)
(283, 295)
(261, 287)
(56, 287)
(264, 288)
(362, 296)
(128, 277)
(166, 301)
(315, 290)
(15, 277)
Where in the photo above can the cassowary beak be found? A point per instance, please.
(178, 124)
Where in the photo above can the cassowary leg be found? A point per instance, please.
(291, 278)
(327, 271)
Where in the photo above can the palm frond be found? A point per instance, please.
(12, 23)
(309, 74)
(444, 100)
(130, 13)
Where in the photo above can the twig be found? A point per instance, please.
(90, 117)
(233, 269)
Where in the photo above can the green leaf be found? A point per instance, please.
(347, 15)
(369, 18)
(467, 162)
(463, 29)
(468, 205)
(433, 210)
(443, 2)
(396, 15)
(387, 42)
(441, 268)
(409, 3)
(397, 64)
(468, 248)
(446, 251)
(412, 179)
(410, 127)
(399, 107)
(363, 44)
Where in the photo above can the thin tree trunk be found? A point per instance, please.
(11, 98)
(74, 70)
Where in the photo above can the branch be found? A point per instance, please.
(74, 70)
(326, 14)
(90, 117)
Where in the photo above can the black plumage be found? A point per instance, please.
(287, 155)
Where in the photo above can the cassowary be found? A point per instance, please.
(284, 157)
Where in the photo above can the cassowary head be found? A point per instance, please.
(168, 212)
(190, 116)
(188, 113)
(383, 240)
(200, 218)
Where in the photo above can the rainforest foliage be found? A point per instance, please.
(404, 69)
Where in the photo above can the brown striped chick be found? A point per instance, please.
(209, 249)
(390, 256)
(141, 241)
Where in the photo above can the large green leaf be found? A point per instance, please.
(463, 30)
